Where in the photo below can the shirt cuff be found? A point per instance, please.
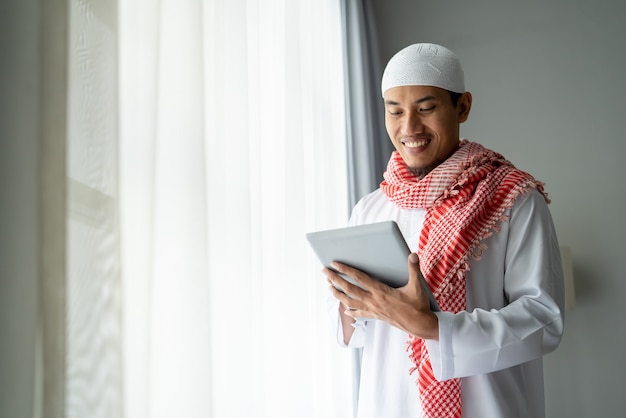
(438, 350)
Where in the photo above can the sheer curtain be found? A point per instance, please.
(90, 294)
(368, 144)
(232, 146)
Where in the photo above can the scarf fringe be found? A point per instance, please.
(466, 199)
(478, 247)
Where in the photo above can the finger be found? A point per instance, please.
(344, 290)
(335, 279)
(338, 293)
(338, 286)
(344, 285)
(351, 313)
(415, 281)
(360, 278)
(355, 313)
(351, 307)
(414, 268)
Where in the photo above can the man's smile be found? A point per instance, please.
(415, 143)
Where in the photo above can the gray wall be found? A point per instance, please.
(548, 80)
(19, 191)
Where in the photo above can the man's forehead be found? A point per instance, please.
(413, 94)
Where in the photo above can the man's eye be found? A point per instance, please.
(427, 109)
(395, 112)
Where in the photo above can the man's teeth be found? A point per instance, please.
(416, 144)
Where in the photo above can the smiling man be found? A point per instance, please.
(483, 239)
(423, 124)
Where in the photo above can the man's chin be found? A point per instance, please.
(422, 171)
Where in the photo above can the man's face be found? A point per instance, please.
(423, 124)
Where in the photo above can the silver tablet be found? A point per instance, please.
(377, 249)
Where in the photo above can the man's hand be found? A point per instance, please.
(406, 308)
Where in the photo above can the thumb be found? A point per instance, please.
(416, 282)
(414, 267)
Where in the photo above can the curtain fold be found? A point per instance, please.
(197, 144)
(50, 361)
(232, 148)
(93, 310)
(368, 147)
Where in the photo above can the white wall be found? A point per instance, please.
(549, 85)
(19, 190)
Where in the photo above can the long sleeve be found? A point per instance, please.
(358, 337)
(514, 316)
(504, 329)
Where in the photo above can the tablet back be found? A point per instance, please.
(377, 249)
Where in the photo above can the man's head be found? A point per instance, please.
(425, 102)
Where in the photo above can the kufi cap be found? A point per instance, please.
(424, 65)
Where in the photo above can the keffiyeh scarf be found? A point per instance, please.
(465, 198)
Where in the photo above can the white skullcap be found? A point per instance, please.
(424, 65)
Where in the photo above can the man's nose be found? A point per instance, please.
(413, 124)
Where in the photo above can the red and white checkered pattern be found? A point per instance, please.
(465, 197)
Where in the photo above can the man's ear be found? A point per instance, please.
(464, 105)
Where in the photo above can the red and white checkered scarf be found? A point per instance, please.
(465, 198)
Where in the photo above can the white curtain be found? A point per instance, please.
(92, 339)
(231, 147)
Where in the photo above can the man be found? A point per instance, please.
(483, 238)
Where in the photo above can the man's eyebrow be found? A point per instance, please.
(425, 99)
(418, 101)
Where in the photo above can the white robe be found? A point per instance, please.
(514, 316)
